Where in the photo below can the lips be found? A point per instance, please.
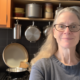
(67, 38)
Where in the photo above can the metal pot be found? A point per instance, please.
(32, 33)
(17, 31)
(33, 10)
(45, 31)
(16, 70)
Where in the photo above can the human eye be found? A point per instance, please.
(61, 26)
(73, 26)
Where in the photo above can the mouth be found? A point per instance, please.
(67, 38)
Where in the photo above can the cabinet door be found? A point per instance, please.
(3, 5)
(8, 25)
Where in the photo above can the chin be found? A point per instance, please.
(69, 46)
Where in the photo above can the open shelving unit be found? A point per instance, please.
(54, 2)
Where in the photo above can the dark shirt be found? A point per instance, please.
(52, 69)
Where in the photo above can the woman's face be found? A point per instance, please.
(67, 38)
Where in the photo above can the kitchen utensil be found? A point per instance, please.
(32, 33)
(46, 29)
(16, 70)
(17, 31)
(13, 54)
(58, 9)
(33, 10)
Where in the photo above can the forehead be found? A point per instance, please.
(67, 18)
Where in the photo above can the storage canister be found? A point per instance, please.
(49, 15)
(48, 7)
(33, 10)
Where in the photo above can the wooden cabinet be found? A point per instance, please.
(3, 4)
(5, 13)
(6, 10)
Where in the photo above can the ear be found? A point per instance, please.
(54, 33)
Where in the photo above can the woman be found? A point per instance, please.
(61, 51)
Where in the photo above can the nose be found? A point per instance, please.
(67, 31)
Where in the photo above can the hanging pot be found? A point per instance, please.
(32, 33)
(46, 29)
(17, 31)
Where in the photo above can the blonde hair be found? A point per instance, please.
(50, 45)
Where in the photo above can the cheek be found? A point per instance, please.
(57, 35)
(77, 35)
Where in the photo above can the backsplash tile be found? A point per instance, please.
(3, 66)
(3, 42)
(6, 38)
(10, 34)
(3, 34)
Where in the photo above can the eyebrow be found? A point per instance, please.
(73, 23)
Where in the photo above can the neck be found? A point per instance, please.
(68, 56)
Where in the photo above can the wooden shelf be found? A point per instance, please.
(35, 19)
(56, 2)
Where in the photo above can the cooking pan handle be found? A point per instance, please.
(33, 23)
(17, 21)
(49, 23)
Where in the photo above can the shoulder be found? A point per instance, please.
(43, 64)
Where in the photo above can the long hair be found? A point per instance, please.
(50, 46)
